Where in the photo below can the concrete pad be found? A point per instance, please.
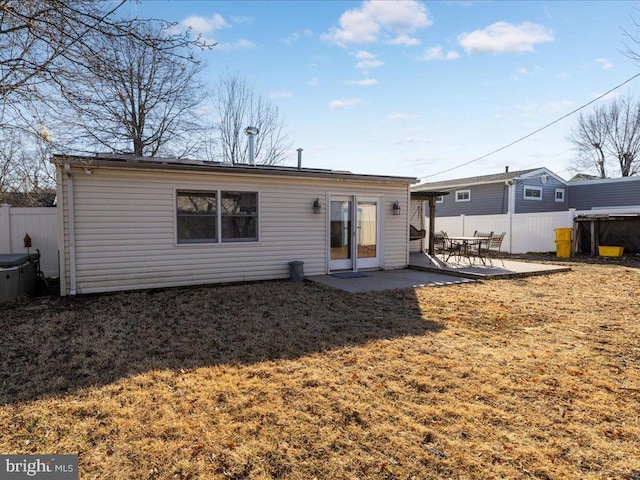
(380, 280)
(492, 269)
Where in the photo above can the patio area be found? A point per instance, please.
(430, 271)
(493, 268)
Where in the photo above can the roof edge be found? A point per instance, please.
(154, 163)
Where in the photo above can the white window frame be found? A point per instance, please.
(559, 190)
(219, 240)
(440, 199)
(459, 192)
(528, 187)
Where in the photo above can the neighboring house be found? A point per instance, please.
(136, 223)
(603, 193)
(523, 191)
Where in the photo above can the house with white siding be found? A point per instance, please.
(137, 222)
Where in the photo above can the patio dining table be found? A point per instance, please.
(471, 246)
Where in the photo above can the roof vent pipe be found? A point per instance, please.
(299, 158)
(251, 132)
(506, 169)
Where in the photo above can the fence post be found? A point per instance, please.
(462, 223)
(5, 228)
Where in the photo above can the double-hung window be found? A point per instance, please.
(463, 195)
(239, 216)
(216, 216)
(197, 217)
(559, 195)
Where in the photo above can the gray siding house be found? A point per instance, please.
(523, 191)
(603, 193)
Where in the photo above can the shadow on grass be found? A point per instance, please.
(69, 343)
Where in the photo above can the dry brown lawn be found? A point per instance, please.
(534, 378)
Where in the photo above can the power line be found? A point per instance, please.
(534, 132)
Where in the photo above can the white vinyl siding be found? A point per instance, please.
(125, 228)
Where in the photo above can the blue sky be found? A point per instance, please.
(415, 88)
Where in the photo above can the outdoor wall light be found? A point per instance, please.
(396, 208)
(317, 208)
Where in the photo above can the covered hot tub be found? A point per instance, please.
(18, 274)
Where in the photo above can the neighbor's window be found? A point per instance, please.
(559, 194)
(532, 193)
(239, 216)
(463, 196)
(440, 199)
(196, 217)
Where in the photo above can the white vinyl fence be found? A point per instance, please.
(525, 232)
(41, 224)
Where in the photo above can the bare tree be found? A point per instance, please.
(237, 106)
(137, 98)
(24, 166)
(609, 135)
(588, 138)
(624, 134)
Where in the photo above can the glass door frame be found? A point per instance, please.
(356, 263)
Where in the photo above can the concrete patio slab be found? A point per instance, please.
(425, 271)
(379, 280)
(493, 269)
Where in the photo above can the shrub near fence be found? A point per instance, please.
(41, 224)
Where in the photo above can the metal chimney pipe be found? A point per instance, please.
(251, 132)
(299, 158)
(506, 169)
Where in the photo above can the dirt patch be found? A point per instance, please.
(524, 378)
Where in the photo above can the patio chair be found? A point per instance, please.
(450, 247)
(438, 242)
(495, 244)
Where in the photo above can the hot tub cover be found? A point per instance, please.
(8, 260)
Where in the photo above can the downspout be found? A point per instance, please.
(72, 231)
(511, 210)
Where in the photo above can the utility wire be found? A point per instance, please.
(534, 132)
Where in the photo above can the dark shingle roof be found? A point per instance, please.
(472, 180)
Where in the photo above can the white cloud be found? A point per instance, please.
(367, 82)
(237, 19)
(604, 63)
(531, 109)
(281, 95)
(437, 53)
(405, 40)
(527, 72)
(295, 36)
(403, 116)
(204, 25)
(563, 76)
(364, 24)
(313, 82)
(240, 44)
(415, 140)
(363, 55)
(424, 160)
(503, 37)
(344, 103)
(368, 65)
